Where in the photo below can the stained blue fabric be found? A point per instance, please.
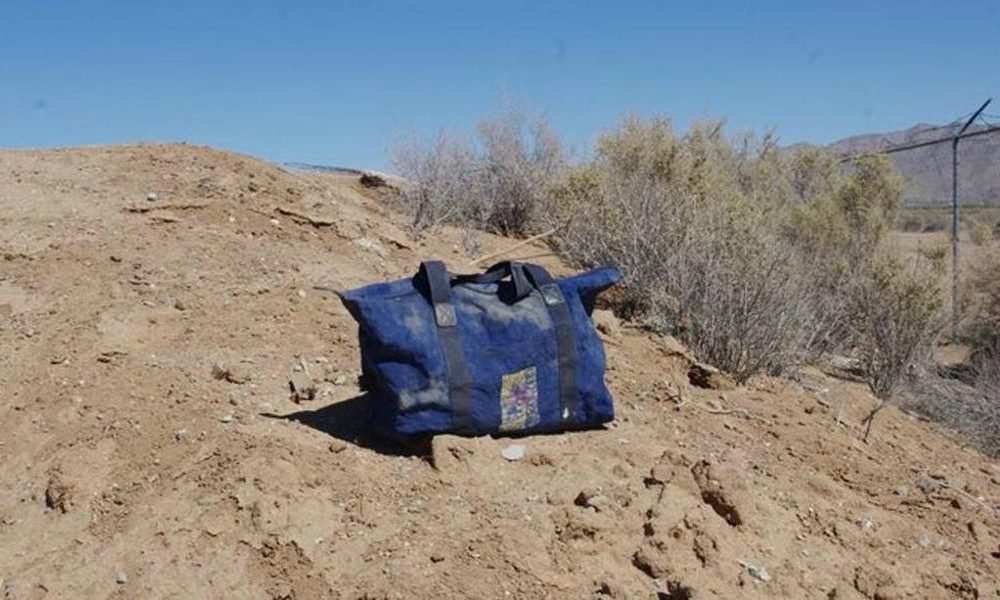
(509, 346)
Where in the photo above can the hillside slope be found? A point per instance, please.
(150, 447)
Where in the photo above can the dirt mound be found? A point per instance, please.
(155, 302)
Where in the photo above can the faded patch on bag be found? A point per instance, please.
(435, 394)
(519, 400)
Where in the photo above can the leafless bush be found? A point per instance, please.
(758, 258)
(496, 182)
(971, 408)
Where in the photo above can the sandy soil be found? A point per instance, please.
(150, 447)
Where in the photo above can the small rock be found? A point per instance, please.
(450, 451)
(301, 293)
(757, 571)
(302, 387)
(121, 578)
(371, 246)
(660, 474)
(179, 304)
(181, 435)
(58, 494)
(227, 418)
(151, 196)
(340, 380)
(219, 371)
(928, 485)
(436, 557)
(237, 373)
(337, 446)
(924, 540)
(592, 499)
(866, 522)
(607, 323)
(706, 376)
(513, 452)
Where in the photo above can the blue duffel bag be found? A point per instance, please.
(509, 350)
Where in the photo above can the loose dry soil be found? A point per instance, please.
(150, 446)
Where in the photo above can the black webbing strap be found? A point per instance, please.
(565, 338)
(459, 383)
(516, 271)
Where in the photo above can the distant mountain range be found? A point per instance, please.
(927, 170)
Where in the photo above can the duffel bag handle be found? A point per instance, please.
(439, 280)
(516, 271)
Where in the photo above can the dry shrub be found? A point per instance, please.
(695, 223)
(980, 233)
(970, 407)
(898, 313)
(981, 301)
(757, 257)
(966, 396)
(759, 260)
(497, 181)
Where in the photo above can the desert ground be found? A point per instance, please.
(155, 301)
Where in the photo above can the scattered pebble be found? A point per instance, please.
(592, 499)
(924, 540)
(181, 435)
(338, 446)
(151, 196)
(58, 494)
(513, 452)
(340, 380)
(757, 571)
(121, 578)
(301, 387)
(227, 418)
(866, 522)
(928, 485)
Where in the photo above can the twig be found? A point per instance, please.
(327, 288)
(867, 421)
(314, 221)
(520, 244)
(145, 208)
(945, 484)
(534, 256)
(716, 409)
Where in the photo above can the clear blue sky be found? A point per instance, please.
(338, 82)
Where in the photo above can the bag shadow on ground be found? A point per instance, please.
(350, 421)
